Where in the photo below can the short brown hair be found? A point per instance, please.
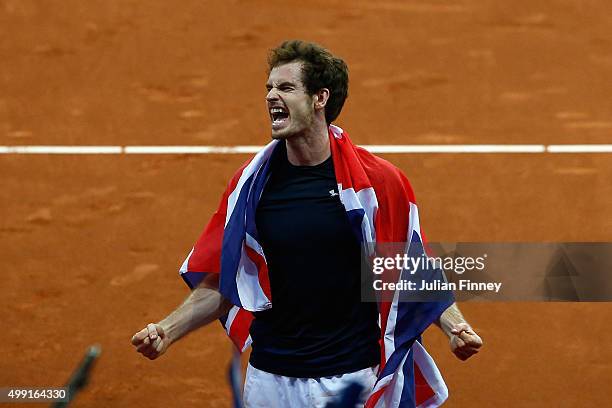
(321, 69)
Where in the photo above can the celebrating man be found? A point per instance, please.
(279, 262)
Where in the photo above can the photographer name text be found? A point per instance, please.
(436, 285)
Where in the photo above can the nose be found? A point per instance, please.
(272, 95)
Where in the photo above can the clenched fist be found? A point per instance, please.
(151, 341)
(464, 341)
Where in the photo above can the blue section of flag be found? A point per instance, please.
(355, 220)
(233, 236)
(259, 183)
(408, 397)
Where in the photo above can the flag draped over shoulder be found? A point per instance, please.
(381, 208)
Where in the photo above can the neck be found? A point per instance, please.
(310, 148)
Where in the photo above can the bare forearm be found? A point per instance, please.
(451, 317)
(201, 307)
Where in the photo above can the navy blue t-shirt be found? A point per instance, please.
(318, 325)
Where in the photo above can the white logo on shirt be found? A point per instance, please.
(332, 193)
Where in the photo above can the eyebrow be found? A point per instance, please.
(286, 83)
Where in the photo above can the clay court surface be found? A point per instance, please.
(90, 245)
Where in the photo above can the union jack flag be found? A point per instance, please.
(381, 207)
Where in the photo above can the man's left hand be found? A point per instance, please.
(464, 341)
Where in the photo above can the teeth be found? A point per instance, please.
(276, 110)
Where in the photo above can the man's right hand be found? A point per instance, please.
(151, 341)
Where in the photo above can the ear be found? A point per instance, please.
(320, 98)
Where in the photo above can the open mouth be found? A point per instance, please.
(279, 116)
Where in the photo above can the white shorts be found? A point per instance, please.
(265, 390)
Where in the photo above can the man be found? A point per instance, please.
(288, 233)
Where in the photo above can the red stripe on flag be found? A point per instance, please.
(239, 330)
(422, 389)
(384, 308)
(373, 399)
